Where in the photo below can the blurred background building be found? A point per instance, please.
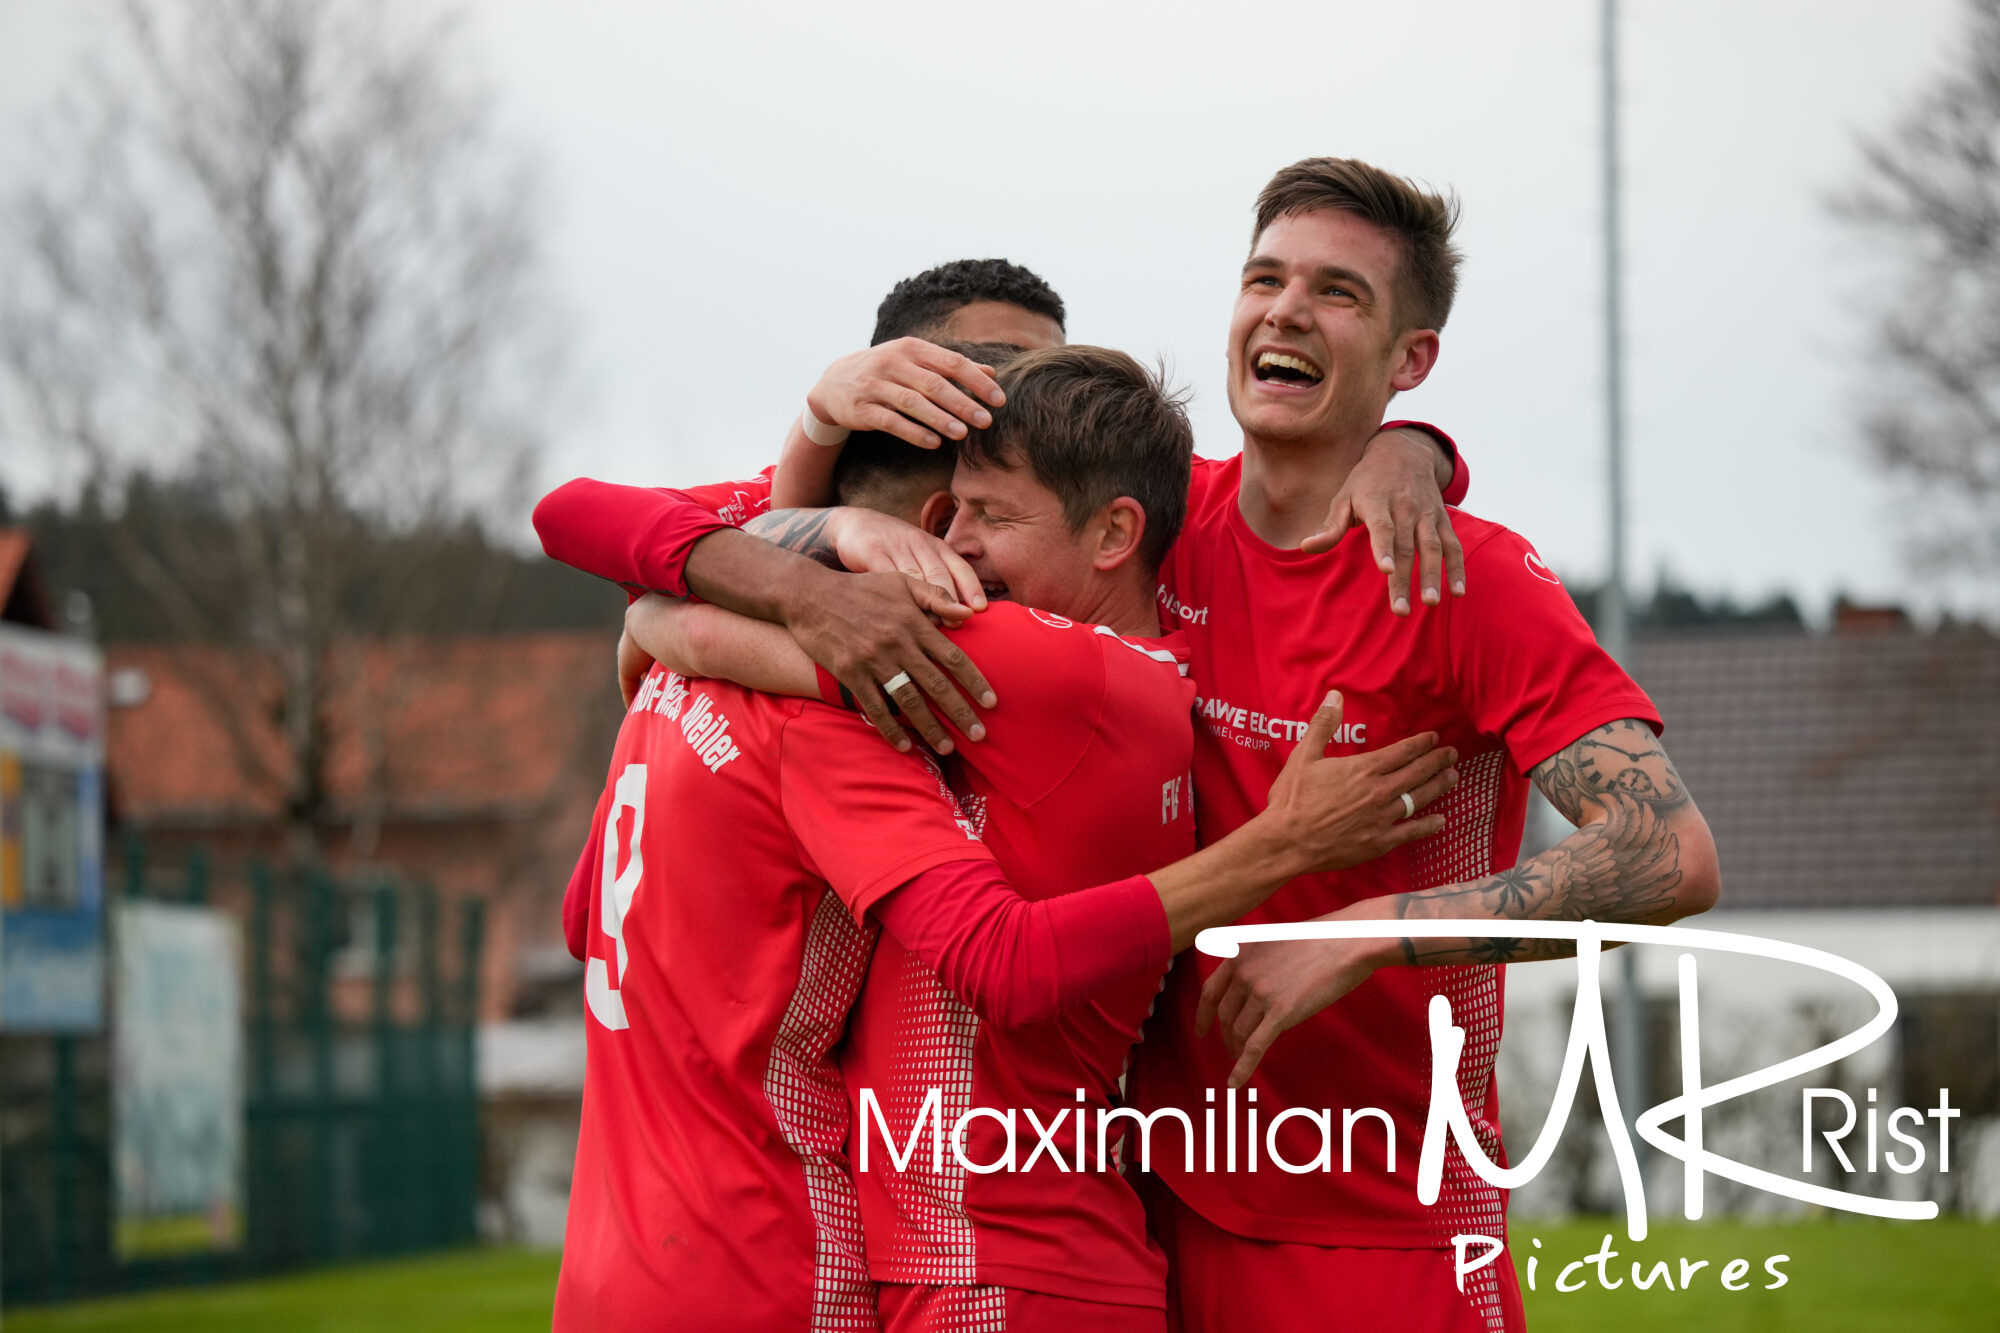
(1851, 778)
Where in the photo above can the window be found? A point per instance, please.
(47, 816)
(1952, 1041)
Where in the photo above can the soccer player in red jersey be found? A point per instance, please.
(906, 386)
(1350, 275)
(1086, 773)
(1086, 765)
(710, 1181)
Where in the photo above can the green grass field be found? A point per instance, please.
(469, 1291)
(1910, 1277)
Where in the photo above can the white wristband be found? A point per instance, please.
(819, 432)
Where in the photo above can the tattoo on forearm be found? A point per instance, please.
(1518, 951)
(801, 530)
(1623, 865)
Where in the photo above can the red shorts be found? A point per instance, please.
(1220, 1282)
(913, 1309)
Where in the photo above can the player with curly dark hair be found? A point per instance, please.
(972, 294)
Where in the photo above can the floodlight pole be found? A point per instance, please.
(1629, 1050)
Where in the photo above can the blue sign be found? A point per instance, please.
(52, 972)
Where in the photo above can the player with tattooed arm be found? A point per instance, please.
(1350, 276)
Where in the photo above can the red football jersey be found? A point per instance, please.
(1508, 674)
(741, 840)
(1083, 779)
(639, 538)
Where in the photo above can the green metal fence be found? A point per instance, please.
(361, 1096)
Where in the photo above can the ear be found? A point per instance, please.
(1416, 352)
(935, 516)
(1121, 525)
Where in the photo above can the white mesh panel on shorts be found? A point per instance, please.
(935, 1036)
(1464, 850)
(810, 1102)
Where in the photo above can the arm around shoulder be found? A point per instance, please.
(697, 639)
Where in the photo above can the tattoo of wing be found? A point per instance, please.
(1622, 864)
(1623, 869)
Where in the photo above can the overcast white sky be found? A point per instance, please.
(735, 188)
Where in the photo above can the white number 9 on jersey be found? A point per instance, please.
(614, 896)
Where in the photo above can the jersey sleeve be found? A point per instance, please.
(866, 818)
(734, 502)
(576, 897)
(1527, 666)
(1461, 475)
(1017, 962)
(1048, 675)
(639, 537)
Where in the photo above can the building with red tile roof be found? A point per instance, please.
(472, 763)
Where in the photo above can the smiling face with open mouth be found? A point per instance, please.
(1313, 344)
(1010, 528)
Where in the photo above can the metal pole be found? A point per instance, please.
(1616, 630)
(264, 1194)
(1629, 1050)
(67, 1179)
(318, 981)
(435, 1128)
(465, 1153)
(388, 1206)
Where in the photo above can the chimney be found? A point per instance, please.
(1854, 618)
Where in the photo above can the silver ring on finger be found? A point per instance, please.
(897, 682)
(1409, 806)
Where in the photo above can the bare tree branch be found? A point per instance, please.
(277, 250)
(1930, 191)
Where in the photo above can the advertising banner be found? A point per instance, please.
(51, 833)
(177, 1081)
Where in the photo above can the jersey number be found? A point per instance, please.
(615, 892)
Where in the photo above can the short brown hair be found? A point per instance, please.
(1093, 425)
(1427, 279)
